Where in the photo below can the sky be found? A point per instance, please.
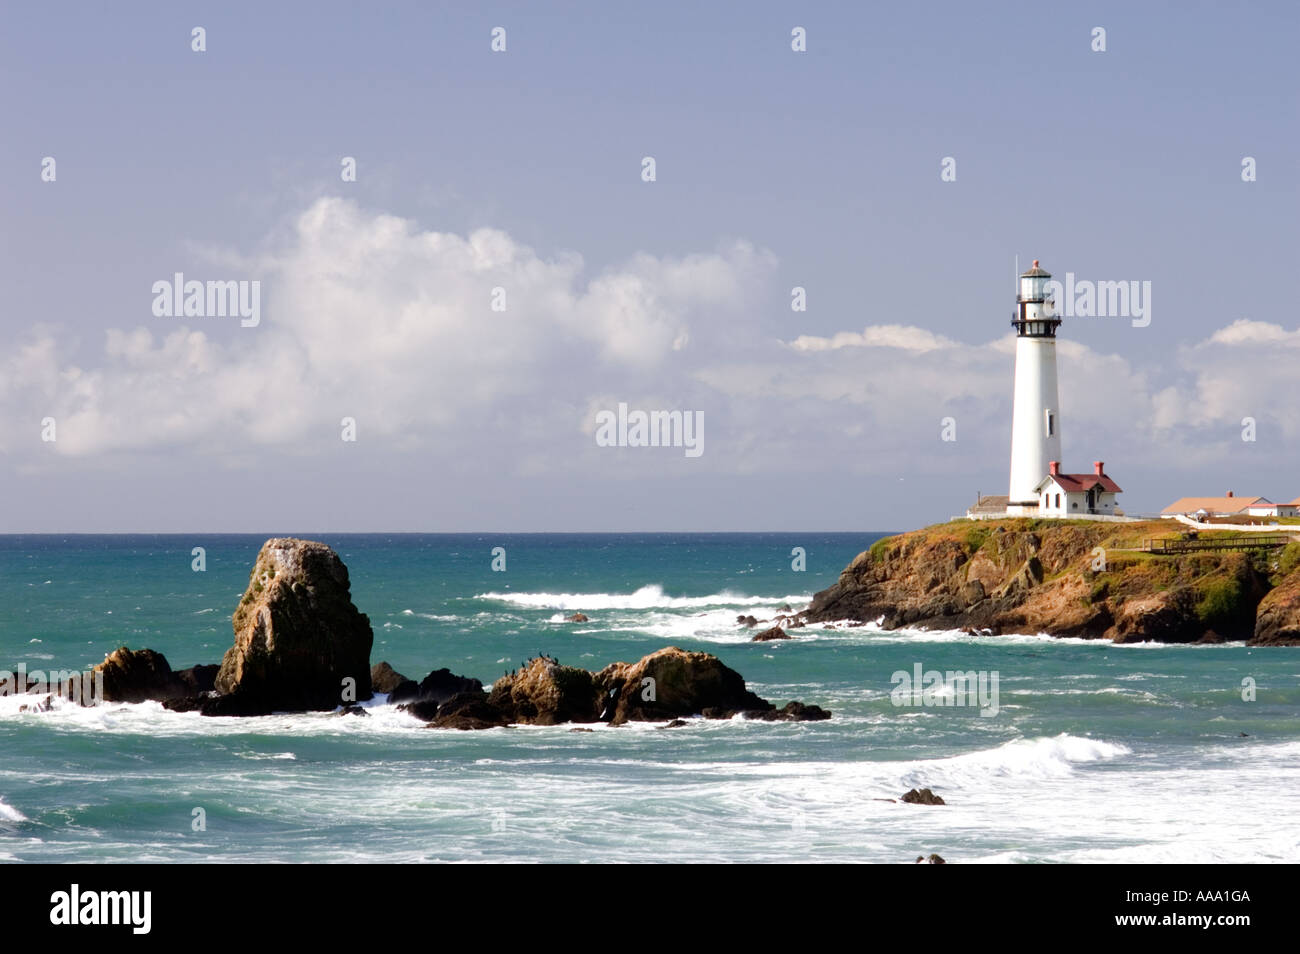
(500, 271)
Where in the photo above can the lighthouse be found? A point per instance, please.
(1035, 418)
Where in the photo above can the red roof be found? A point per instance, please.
(1081, 483)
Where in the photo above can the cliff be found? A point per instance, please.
(1069, 578)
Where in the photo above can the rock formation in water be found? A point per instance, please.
(384, 679)
(139, 675)
(663, 686)
(300, 644)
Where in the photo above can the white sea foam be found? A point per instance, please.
(651, 596)
(1054, 798)
(1028, 758)
(272, 756)
(10, 814)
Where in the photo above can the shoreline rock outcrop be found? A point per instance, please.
(1088, 579)
(1277, 619)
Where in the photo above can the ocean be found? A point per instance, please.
(1095, 753)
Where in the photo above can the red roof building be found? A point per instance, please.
(1064, 495)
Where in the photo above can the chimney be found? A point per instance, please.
(1099, 468)
(1054, 467)
(1229, 494)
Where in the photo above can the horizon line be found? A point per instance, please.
(178, 533)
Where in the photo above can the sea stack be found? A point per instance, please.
(300, 643)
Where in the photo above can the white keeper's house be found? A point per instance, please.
(1038, 488)
(1067, 495)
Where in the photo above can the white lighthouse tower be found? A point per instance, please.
(1035, 420)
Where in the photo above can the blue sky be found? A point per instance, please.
(774, 169)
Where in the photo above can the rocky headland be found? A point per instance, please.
(1088, 579)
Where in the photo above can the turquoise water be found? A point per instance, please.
(1095, 753)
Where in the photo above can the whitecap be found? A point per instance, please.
(650, 596)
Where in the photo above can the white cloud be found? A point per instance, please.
(1247, 332)
(904, 337)
(369, 316)
(1248, 369)
(366, 315)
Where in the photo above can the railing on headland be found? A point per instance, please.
(1214, 543)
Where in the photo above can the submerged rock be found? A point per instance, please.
(199, 679)
(468, 710)
(384, 678)
(300, 643)
(932, 860)
(448, 701)
(215, 704)
(776, 632)
(398, 688)
(442, 684)
(796, 712)
(922, 797)
(577, 618)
